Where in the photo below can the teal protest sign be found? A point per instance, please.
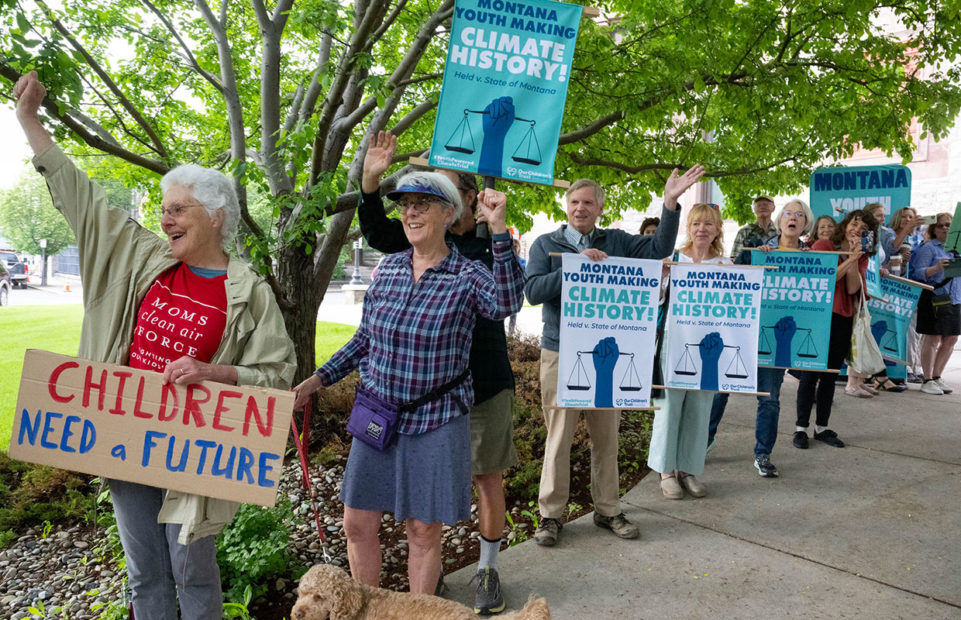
(836, 191)
(505, 84)
(711, 329)
(872, 277)
(891, 316)
(796, 308)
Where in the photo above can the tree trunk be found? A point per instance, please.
(294, 271)
(304, 283)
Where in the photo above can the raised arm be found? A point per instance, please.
(382, 233)
(112, 245)
(677, 184)
(29, 93)
(503, 294)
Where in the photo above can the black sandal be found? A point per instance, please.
(887, 385)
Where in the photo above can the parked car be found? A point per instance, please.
(18, 268)
(5, 284)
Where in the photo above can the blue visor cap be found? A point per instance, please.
(417, 188)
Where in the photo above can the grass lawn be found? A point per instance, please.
(57, 329)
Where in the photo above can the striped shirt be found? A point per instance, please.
(415, 337)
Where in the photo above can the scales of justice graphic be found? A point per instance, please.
(806, 349)
(579, 380)
(736, 369)
(461, 140)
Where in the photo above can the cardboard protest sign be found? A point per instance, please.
(206, 438)
(836, 191)
(608, 329)
(711, 328)
(891, 316)
(505, 85)
(796, 308)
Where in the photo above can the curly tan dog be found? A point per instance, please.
(328, 592)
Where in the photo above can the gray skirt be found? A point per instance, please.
(424, 477)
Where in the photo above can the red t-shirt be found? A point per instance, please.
(844, 304)
(182, 314)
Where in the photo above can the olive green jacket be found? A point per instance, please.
(119, 260)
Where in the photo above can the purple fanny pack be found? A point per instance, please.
(373, 420)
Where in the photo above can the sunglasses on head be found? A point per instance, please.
(712, 205)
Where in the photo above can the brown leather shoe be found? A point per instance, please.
(546, 533)
(617, 524)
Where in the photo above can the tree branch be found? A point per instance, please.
(371, 102)
(271, 31)
(210, 77)
(592, 161)
(411, 117)
(131, 109)
(388, 21)
(590, 130)
(335, 93)
(235, 122)
(261, 12)
(315, 88)
(282, 12)
(89, 138)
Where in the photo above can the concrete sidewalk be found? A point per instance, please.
(867, 531)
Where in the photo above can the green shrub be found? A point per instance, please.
(253, 550)
(7, 537)
(32, 494)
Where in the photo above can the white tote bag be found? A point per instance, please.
(865, 356)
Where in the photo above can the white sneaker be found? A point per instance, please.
(941, 384)
(931, 387)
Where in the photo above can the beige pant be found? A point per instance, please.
(602, 425)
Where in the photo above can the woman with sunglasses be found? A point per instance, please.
(413, 346)
(939, 311)
(794, 220)
(679, 436)
(492, 416)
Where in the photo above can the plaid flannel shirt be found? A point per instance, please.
(415, 337)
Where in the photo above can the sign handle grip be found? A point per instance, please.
(481, 231)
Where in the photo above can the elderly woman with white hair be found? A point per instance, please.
(794, 220)
(412, 349)
(237, 336)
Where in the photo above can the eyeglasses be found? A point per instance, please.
(420, 204)
(798, 214)
(716, 207)
(176, 211)
(942, 225)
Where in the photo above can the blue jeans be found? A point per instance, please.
(768, 410)
(717, 412)
(160, 570)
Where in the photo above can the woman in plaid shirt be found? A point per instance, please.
(414, 337)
